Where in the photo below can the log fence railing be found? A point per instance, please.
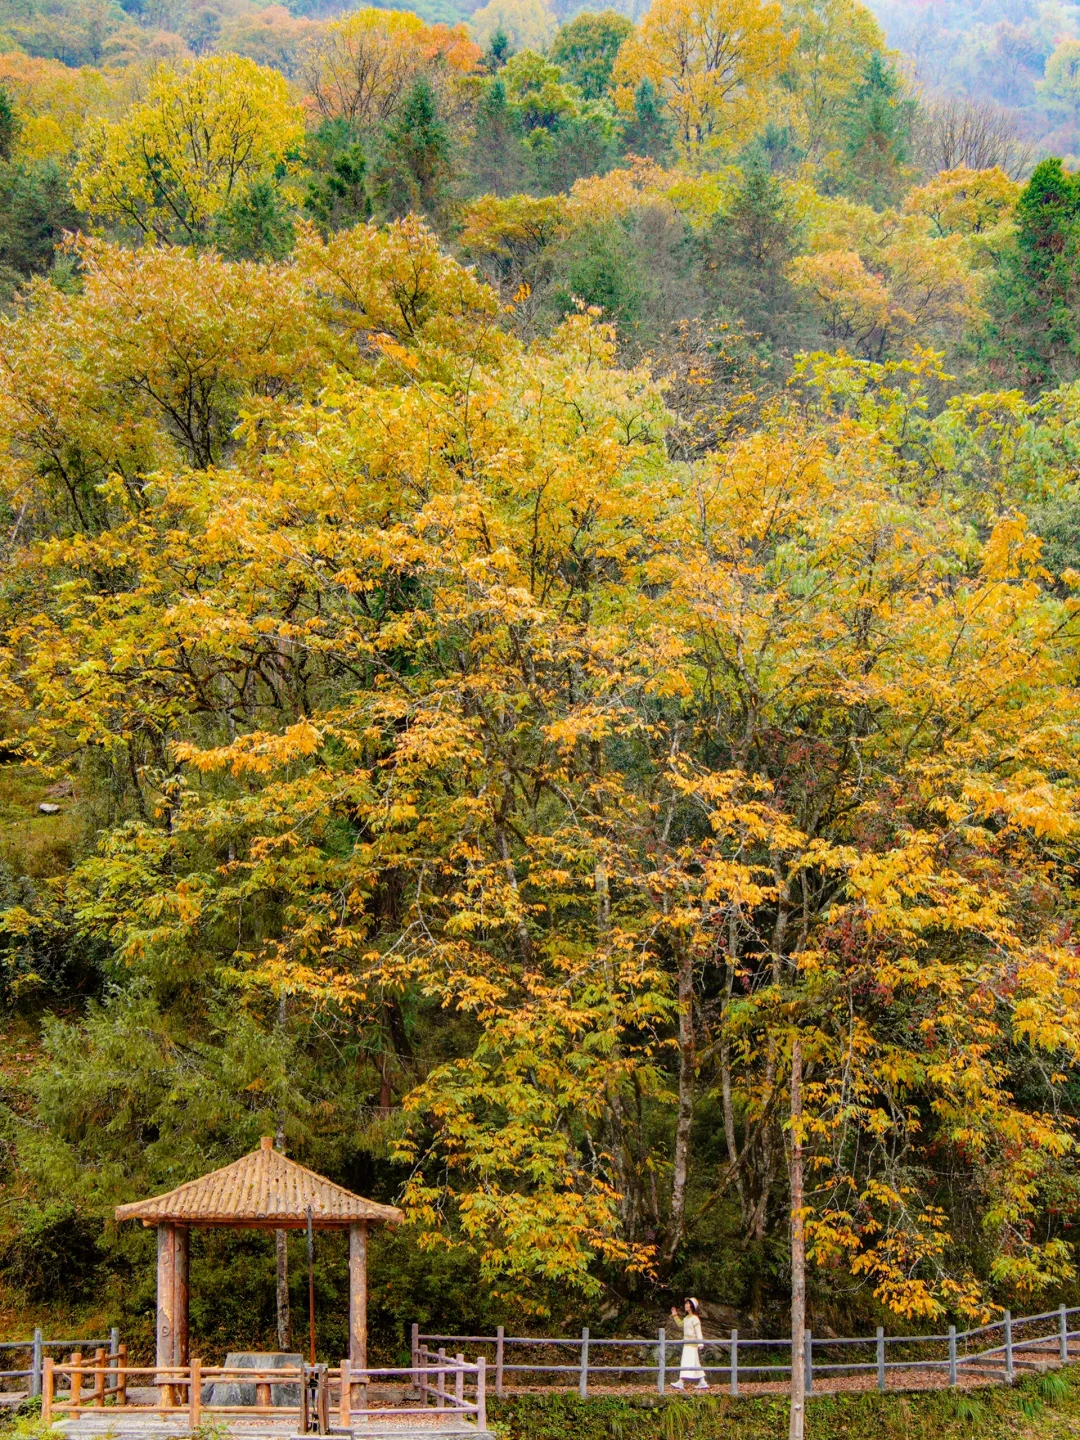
(37, 1348)
(326, 1397)
(1000, 1350)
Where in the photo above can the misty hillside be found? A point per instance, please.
(1021, 55)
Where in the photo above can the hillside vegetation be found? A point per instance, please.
(538, 609)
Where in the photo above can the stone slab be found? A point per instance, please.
(240, 1392)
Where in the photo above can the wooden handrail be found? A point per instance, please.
(180, 1387)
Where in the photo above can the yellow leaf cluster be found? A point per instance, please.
(198, 141)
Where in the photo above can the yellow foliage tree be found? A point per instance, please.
(853, 303)
(515, 229)
(1059, 89)
(197, 142)
(517, 720)
(527, 24)
(270, 36)
(881, 281)
(360, 68)
(711, 61)
(964, 201)
(144, 368)
(835, 40)
(56, 103)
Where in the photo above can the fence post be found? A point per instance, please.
(459, 1381)
(121, 1378)
(344, 1404)
(881, 1358)
(661, 1364)
(47, 1390)
(500, 1342)
(1008, 1348)
(952, 1356)
(195, 1396)
(481, 1393)
(35, 1364)
(1063, 1333)
(440, 1384)
(114, 1357)
(809, 1357)
(734, 1362)
(414, 1351)
(583, 1382)
(76, 1379)
(99, 1378)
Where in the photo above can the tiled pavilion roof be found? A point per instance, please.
(263, 1189)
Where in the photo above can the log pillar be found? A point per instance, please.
(358, 1295)
(166, 1293)
(181, 1257)
(166, 1306)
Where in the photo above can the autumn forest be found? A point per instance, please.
(540, 655)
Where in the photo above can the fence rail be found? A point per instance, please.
(998, 1350)
(37, 1347)
(82, 1385)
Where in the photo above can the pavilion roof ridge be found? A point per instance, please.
(263, 1189)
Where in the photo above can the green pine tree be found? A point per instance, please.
(878, 127)
(1034, 301)
(35, 211)
(749, 252)
(339, 199)
(499, 162)
(9, 126)
(415, 171)
(499, 51)
(651, 131)
(256, 226)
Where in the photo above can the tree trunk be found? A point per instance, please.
(687, 1062)
(798, 1252)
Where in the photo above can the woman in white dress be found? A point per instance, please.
(690, 1364)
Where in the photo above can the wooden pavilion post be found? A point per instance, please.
(181, 1259)
(358, 1303)
(358, 1295)
(166, 1305)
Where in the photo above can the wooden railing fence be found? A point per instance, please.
(999, 1350)
(37, 1347)
(82, 1384)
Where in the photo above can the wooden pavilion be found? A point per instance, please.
(262, 1191)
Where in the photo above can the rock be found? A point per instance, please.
(240, 1392)
(47, 809)
(723, 1317)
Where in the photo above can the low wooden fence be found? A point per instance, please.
(996, 1352)
(82, 1385)
(36, 1349)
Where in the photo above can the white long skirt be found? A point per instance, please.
(690, 1364)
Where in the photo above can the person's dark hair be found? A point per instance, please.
(694, 1306)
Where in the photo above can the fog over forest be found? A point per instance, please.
(1022, 55)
